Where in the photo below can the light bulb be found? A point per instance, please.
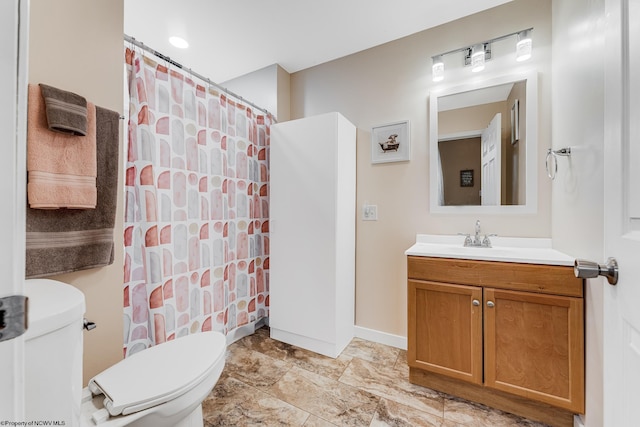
(523, 47)
(438, 68)
(477, 58)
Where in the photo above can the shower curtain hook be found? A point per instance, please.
(132, 44)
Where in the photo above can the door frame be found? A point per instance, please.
(14, 31)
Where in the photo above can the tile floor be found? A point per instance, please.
(269, 383)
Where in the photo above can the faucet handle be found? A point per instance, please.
(467, 239)
(486, 242)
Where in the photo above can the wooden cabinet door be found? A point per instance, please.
(534, 346)
(445, 329)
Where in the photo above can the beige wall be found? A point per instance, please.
(77, 45)
(284, 95)
(268, 88)
(390, 83)
(470, 118)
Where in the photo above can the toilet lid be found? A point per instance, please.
(160, 373)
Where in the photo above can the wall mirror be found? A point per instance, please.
(483, 146)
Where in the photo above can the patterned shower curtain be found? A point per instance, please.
(196, 213)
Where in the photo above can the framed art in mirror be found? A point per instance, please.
(515, 121)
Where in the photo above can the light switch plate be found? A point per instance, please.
(370, 212)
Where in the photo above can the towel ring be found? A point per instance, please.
(552, 157)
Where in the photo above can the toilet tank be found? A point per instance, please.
(53, 352)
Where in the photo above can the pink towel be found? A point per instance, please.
(62, 168)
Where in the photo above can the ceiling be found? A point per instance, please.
(230, 38)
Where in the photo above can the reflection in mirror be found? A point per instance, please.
(473, 134)
(483, 146)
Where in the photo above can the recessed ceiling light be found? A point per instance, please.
(178, 42)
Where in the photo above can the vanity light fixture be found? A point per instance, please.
(438, 68)
(178, 42)
(477, 54)
(523, 47)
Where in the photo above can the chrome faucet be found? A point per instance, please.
(477, 241)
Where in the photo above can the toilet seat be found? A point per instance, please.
(159, 374)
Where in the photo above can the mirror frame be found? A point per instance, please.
(531, 152)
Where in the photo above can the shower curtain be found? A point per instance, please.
(196, 210)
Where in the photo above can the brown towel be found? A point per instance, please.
(60, 241)
(62, 167)
(66, 111)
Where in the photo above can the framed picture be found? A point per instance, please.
(515, 122)
(391, 143)
(466, 178)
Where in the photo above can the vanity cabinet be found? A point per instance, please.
(446, 321)
(508, 335)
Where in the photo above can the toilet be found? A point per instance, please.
(161, 386)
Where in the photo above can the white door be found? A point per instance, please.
(13, 27)
(621, 333)
(491, 145)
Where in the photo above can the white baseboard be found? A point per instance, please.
(381, 337)
(243, 331)
(308, 343)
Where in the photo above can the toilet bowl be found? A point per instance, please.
(161, 386)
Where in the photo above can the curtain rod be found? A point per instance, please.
(141, 45)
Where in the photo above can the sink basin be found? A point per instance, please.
(505, 249)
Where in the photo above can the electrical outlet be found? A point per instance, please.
(370, 212)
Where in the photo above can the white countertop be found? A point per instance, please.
(504, 249)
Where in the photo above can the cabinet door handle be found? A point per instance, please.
(476, 302)
(490, 304)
